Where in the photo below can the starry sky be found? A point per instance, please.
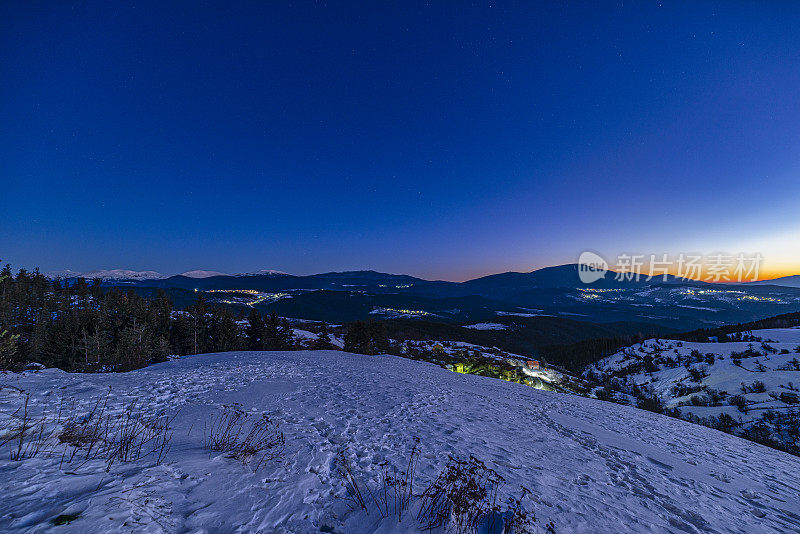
(440, 139)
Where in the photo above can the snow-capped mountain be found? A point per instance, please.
(592, 466)
(208, 274)
(263, 272)
(127, 274)
(113, 274)
(202, 274)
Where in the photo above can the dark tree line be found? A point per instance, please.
(83, 327)
(576, 356)
(368, 337)
(733, 332)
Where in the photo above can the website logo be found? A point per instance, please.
(591, 267)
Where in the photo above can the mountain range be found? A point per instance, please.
(337, 297)
(555, 276)
(503, 285)
(127, 274)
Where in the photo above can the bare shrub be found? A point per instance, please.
(26, 436)
(137, 434)
(352, 486)
(394, 493)
(244, 436)
(130, 436)
(85, 433)
(740, 401)
(465, 492)
(465, 497)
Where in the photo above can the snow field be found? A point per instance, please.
(592, 466)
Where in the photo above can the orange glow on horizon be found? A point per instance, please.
(766, 272)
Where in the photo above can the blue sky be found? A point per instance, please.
(443, 140)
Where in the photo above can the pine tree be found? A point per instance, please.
(355, 339)
(134, 348)
(223, 331)
(8, 341)
(323, 341)
(182, 334)
(95, 345)
(81, 288)
(255, 331)
(161, 350)
(278, 333)
(8, 351)
(286, 335)
(199, 323)
(367, 338)
(95, 289)
(161, 315)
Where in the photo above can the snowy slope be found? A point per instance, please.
(761, 374)
(592, 466)
(306, 338)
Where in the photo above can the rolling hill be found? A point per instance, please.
(590, 466)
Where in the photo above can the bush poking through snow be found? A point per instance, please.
(245, 436)
(137, 435)
(355, 497)
(464, 497)
(129, 436)
(26, 438)
(740, 401)
(394, 493)
(65, 519)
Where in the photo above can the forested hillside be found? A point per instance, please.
(83, 327)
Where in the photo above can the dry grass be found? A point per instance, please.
(394, 492)
(244, 436)
(131, 435)
(26, 435)
(464, 498)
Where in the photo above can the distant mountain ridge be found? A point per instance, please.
(558, 276)
(202, 274)
(110, 274)
(128, 274)
(556, 291)
(263, 272)
(784, 281)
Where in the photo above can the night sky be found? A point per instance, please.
(444, 141)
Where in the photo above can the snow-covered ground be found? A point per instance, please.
(454, 348)
(748, 380)
(592, 466)
(775, 349)
(307, 338)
